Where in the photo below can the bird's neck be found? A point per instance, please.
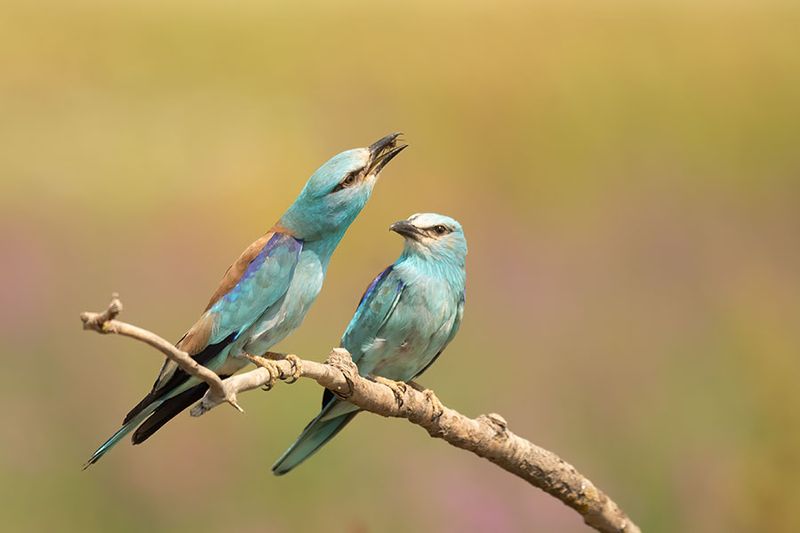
(313, 221)
(320, 233)
(415, 265)
(324, 246)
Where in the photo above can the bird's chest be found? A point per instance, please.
(288, 313)
(305, 287)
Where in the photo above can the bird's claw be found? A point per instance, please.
(398, 388)
(430, 397)
(274, 374)
(270, 367)
(436, 403)
(297, 369)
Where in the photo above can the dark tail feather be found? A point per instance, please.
(116, 437)
(178, 378)
(168, 410)
(139, 407)
(314, 436)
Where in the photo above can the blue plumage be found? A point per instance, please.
(280, 245)
(264, 282)
(267, 292)
(407, 316)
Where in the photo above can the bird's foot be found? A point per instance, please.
(430, 396)
(435, 402)
(297, 369)
(271, 368)
(274, 374)
(398, 388)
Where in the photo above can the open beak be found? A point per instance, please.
(382, 151)
(406, 229)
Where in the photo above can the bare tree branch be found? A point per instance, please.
(486, 436)
(105, 323)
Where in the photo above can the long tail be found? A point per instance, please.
(316, 433)
(165, 401)
(169, 410)
(126, 428)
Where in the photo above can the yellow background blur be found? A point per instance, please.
(627, 176)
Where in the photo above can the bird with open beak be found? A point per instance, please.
(267, 291)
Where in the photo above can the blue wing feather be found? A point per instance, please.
(375, 307)
(263, 283)
(265, 280)
(450, 336)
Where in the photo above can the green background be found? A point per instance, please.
(627, 176)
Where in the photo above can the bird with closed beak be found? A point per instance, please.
(405, 319)
(265, 294)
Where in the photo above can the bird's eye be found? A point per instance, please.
(348, 181)
(439, 229)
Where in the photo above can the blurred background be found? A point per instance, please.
(627, 176)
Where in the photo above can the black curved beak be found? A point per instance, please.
(382, 151)
(406, 229)
(381, 144)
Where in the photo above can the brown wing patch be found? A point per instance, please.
(235, 271)
(193, 342)
(196, 339)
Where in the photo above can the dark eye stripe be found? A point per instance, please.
(348, 181)
(439, 229)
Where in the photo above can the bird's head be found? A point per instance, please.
(433, 236)
(337, 192)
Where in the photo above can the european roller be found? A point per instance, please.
(265, 294)
(405, 319)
